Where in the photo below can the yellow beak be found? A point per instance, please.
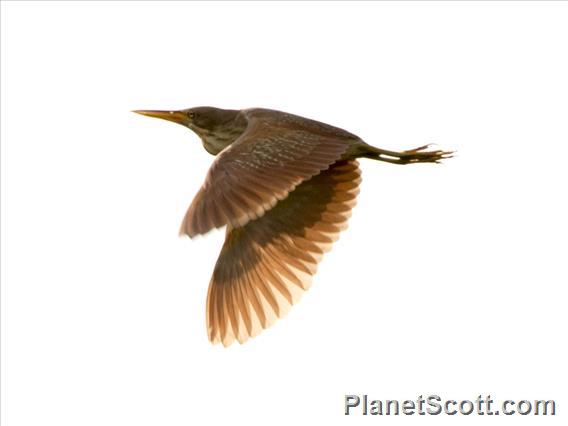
(175, 116)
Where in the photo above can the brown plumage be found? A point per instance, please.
(284, 187)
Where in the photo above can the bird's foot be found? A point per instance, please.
(416, 155)
(420, 155)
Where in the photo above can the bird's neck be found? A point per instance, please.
(214, 141)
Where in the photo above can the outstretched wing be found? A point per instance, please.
(265, 266)
(277, 152)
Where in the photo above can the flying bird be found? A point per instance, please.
(284, 187)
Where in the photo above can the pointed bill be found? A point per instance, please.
(176, 116)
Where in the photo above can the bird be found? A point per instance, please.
(284, 187)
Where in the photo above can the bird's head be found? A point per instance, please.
(216, 127)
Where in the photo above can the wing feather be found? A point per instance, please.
(266, 265)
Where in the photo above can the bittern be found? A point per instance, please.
(284, 187)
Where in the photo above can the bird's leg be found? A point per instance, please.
(417, 155)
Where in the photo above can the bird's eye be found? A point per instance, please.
(191, 115)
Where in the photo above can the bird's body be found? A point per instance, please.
(284, 186)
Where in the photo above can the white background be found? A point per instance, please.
(450, 280)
